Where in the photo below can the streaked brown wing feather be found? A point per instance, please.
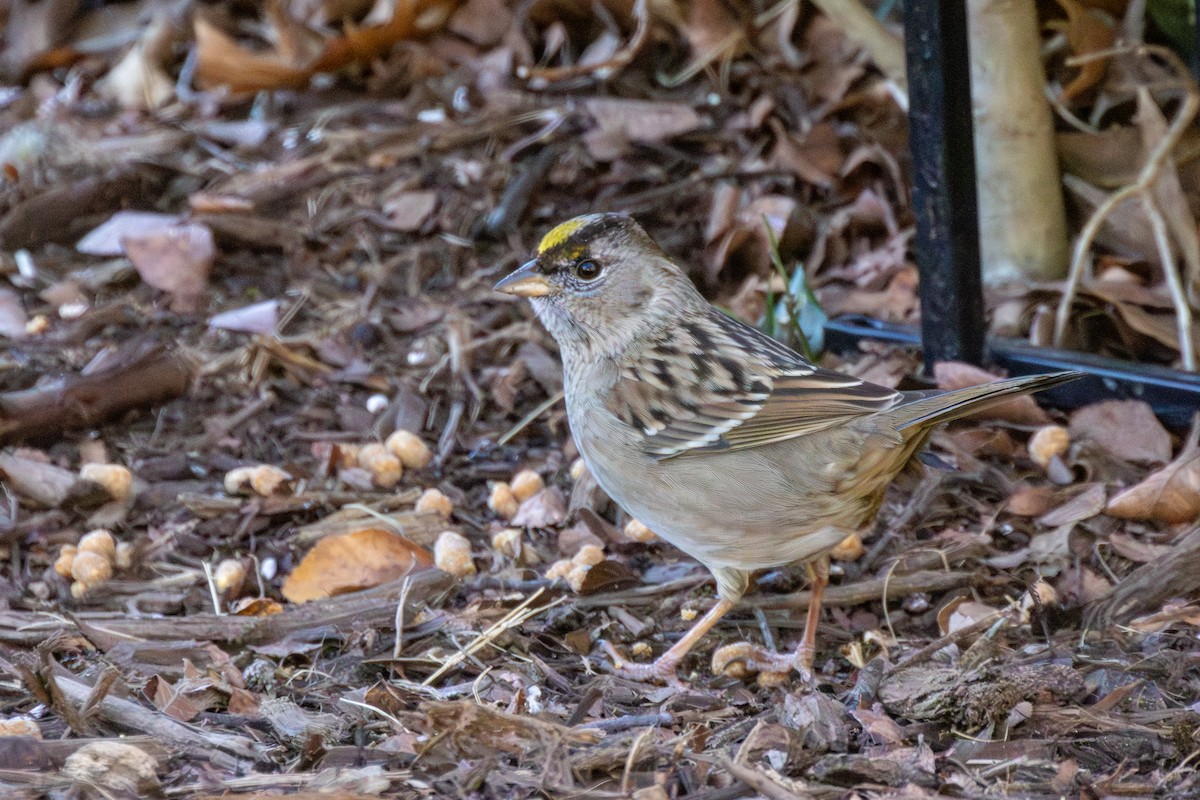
(722, 385)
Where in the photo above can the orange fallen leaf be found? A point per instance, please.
(1088, 31)
(221, 61)
(255, 607)
(1170, 494)
(354, 561)
(410, 18)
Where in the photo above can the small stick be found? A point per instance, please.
(953, 637)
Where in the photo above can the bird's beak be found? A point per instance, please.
(528, 281)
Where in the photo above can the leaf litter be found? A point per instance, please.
(253, 294)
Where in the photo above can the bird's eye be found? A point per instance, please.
(587, 270)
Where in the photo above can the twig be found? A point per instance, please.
(955, 636)
(630, 721)
(226, 751)
(631, 757)
(1183, 311)
(138, 377)
(212, 589)
(512, 619)
(761, 782)
(400, 603)
(541, 77)
(540, 409)
(370, 607)
(1144, 184)
(868, 591)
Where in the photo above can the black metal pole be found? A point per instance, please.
(943, 195)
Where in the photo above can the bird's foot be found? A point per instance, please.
(661, 670)
(743, 660)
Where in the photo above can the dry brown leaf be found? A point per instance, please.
(410, 18)
(256, 318)
(1168, 190)
(745, 240)
(897, 302)
(140, 79)
(1162, 328)
(12, 315)
(175, 259)
(835, 61)
(1110, 158)
(1079, 585)
(545, 509)
(1084, 505)
(713, 35)
(962, 612)
(220, 61)
(1171, 494)
(30, 31)
(481, 22)
(255, 607)
(408, 211)
(1052, 547)
(1031, 501)
(1172, 612)
(1128, 546)
(726, 198)
(105, 239)
(1126, 429)
(30, 475)
(876, 723)
(608, 576)
(353, 561)
(986, 443)
(711, 30)
(1124, 229)
(1087, 32)
(816, 159)
(175, 702)
(619, 122)
(1020, 410)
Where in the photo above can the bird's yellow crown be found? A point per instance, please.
(563, 231)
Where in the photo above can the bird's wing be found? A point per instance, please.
(718, 384)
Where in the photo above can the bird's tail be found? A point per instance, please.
(941, 407)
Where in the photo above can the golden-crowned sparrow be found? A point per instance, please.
(728, 444)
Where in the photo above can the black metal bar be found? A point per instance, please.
(1174, 395)
(943, 195)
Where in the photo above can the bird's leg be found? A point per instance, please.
(731, 585)
(818, 579)
(743, 658)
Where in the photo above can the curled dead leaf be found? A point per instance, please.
(1170, 494)
(353, 561)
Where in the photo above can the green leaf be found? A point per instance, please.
(796, 318)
